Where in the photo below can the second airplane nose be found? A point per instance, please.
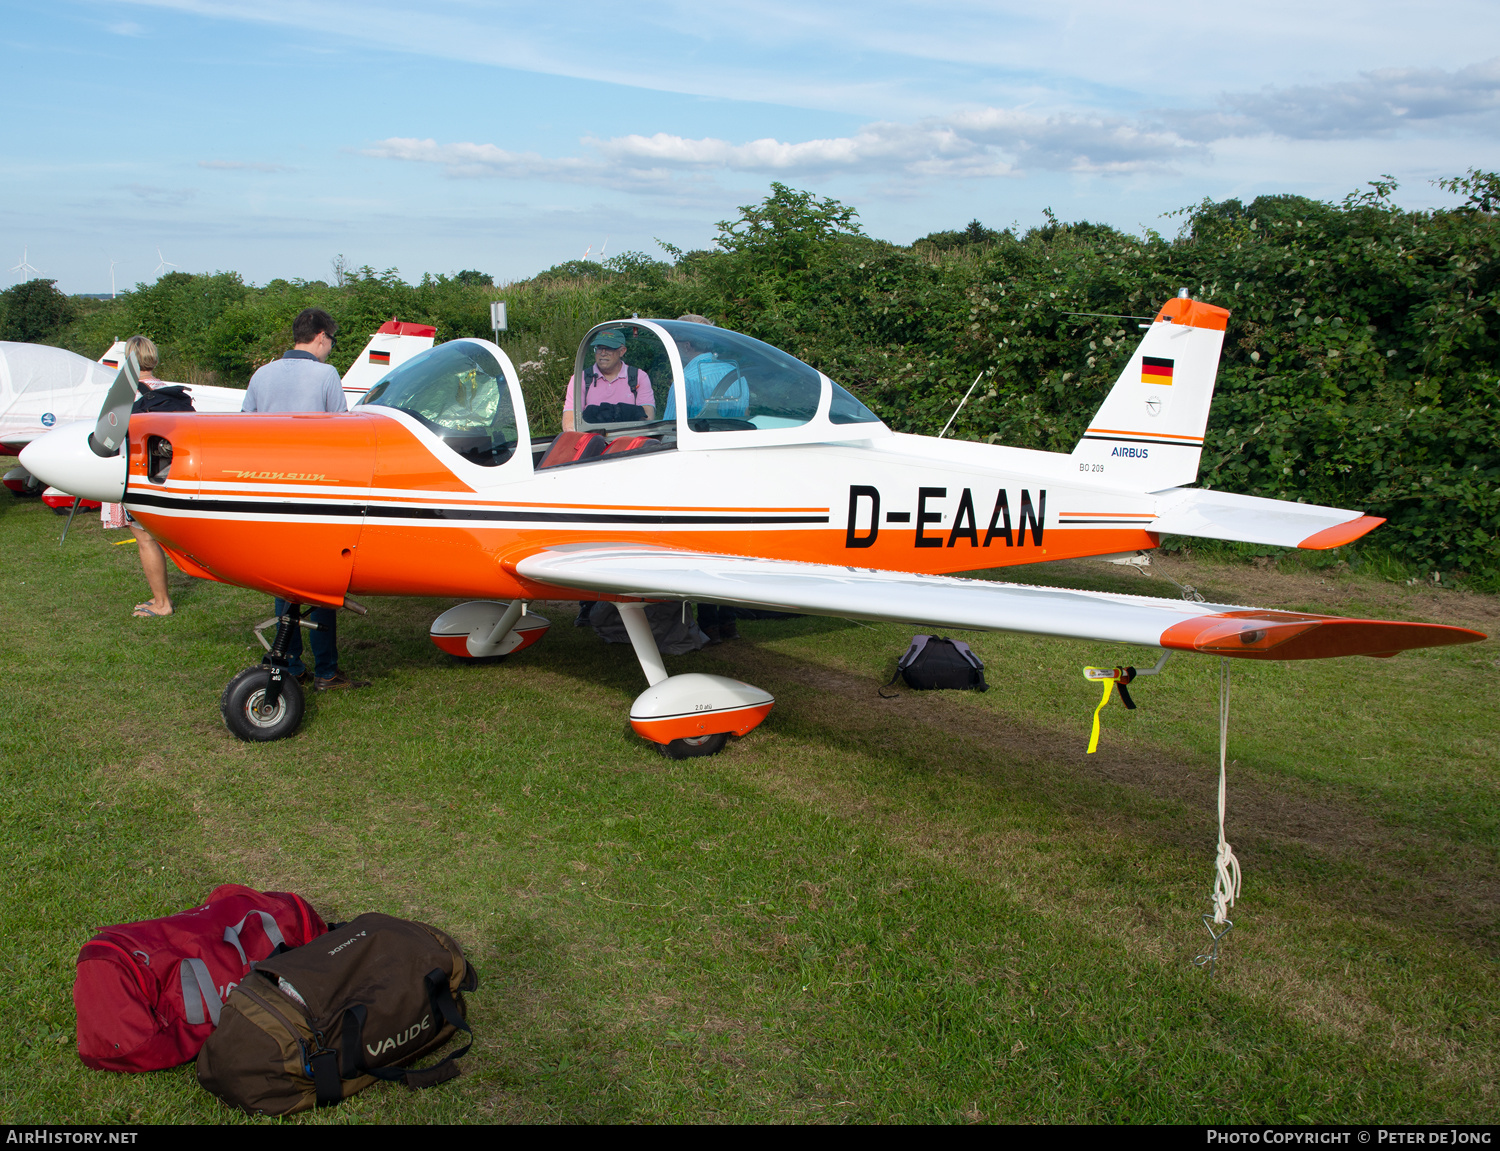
(63, 459)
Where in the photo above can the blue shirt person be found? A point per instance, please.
(714, 387)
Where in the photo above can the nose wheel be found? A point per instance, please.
(266, 702)
(257, 714)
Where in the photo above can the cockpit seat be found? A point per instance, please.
(627, 444)
(571, 448)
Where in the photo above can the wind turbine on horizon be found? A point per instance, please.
(112, 264)
(162, 262)
(25, 266)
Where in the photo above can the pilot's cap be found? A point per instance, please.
(610, 338)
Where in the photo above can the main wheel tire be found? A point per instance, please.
(694, 747)
(242, 706)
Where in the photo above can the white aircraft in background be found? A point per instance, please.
(42, 387)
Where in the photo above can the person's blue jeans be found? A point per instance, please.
(325, 643)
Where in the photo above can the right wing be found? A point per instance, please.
(646, 572)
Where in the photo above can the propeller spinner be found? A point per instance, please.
(98, 473)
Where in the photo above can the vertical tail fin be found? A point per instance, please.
(390, 347)
(1149, 431)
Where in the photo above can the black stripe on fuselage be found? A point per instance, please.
(427, 512)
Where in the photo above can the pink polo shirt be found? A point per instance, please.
(615, 390)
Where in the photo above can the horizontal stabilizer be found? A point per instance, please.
(949, 602)
(1254, 520)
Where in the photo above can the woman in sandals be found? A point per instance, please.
(153, 559)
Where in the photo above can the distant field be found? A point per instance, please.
(933, 908)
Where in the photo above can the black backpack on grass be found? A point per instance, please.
(318, 1023)
(934, 663)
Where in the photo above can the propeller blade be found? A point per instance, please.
(114, 416)
(76, 501)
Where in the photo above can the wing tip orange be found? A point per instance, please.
(1341, 534)
(1292, 635)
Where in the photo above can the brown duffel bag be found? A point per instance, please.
(315, 1024)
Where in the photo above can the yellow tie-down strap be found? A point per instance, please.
(1109, 676)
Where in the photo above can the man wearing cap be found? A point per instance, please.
(611, 380)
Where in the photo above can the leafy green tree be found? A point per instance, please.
(34, 312)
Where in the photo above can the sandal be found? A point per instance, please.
(144, 611)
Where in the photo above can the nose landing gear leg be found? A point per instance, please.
(265, 702)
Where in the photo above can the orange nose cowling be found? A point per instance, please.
(273, 502)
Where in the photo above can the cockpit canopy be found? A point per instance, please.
(625, 377)
(459, 391)
(639, 387)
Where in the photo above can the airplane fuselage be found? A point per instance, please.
(316, 507)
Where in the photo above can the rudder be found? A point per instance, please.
(1148, 433)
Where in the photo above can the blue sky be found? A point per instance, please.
(269, 137)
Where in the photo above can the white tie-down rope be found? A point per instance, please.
(1226, 866)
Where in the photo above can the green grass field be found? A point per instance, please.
(934, 908)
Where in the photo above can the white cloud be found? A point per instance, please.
(988, 142)
(991, 142)
(467, 160)
(874, 148)
(1377, 103)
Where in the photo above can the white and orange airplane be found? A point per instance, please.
(757, 482)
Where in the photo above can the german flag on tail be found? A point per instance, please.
(1155, 370)
(385, 358)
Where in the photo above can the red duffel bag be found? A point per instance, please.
(148, 994)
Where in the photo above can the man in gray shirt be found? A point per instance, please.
(302, 381)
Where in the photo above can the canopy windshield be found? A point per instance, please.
(733, 383)
(646, 386)
(459, 391)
